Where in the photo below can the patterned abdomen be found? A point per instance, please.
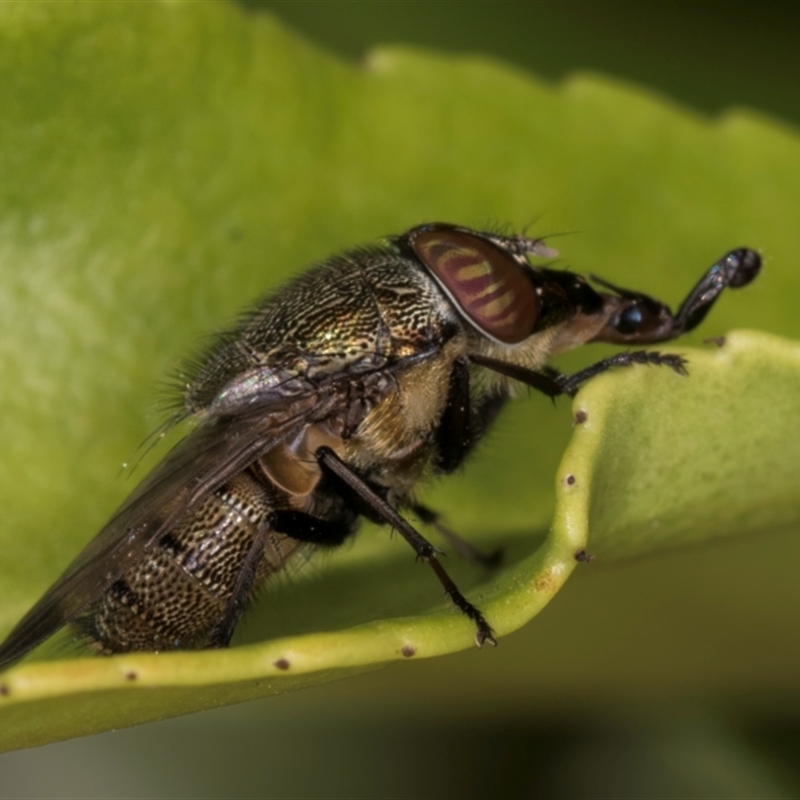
(175, 595)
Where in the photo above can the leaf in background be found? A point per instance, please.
(163, 164)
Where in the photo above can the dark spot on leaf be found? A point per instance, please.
(583, 557)
(4, 690)
(282, 663)
(131, 676)
(580, 417)
(409, 651)
(569, 480)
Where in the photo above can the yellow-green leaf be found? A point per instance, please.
(162, 164)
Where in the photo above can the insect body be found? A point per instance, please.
(331, 401)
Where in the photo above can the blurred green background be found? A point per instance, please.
(372, 736)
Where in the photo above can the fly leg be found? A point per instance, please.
(553, 383)
(220, 636)
(571, 383)
(454, 435)
(311, 529)
(462, 426)
(331, 463)
(293, 523)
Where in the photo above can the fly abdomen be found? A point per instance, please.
(182, 586)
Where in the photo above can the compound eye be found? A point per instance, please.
(487, 284)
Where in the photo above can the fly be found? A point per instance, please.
(329, 402)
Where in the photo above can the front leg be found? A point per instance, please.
(553, 383)
(461, 425)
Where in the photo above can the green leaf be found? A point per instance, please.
(669, 462)
(163, 164)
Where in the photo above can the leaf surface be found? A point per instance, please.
(164, 164)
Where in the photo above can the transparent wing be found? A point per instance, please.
(214, 451)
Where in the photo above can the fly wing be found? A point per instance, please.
(214, 451)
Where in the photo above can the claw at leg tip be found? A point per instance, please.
(483, 637)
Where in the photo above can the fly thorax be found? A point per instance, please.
(402, 424)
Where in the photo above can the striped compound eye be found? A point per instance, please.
(487, 284)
